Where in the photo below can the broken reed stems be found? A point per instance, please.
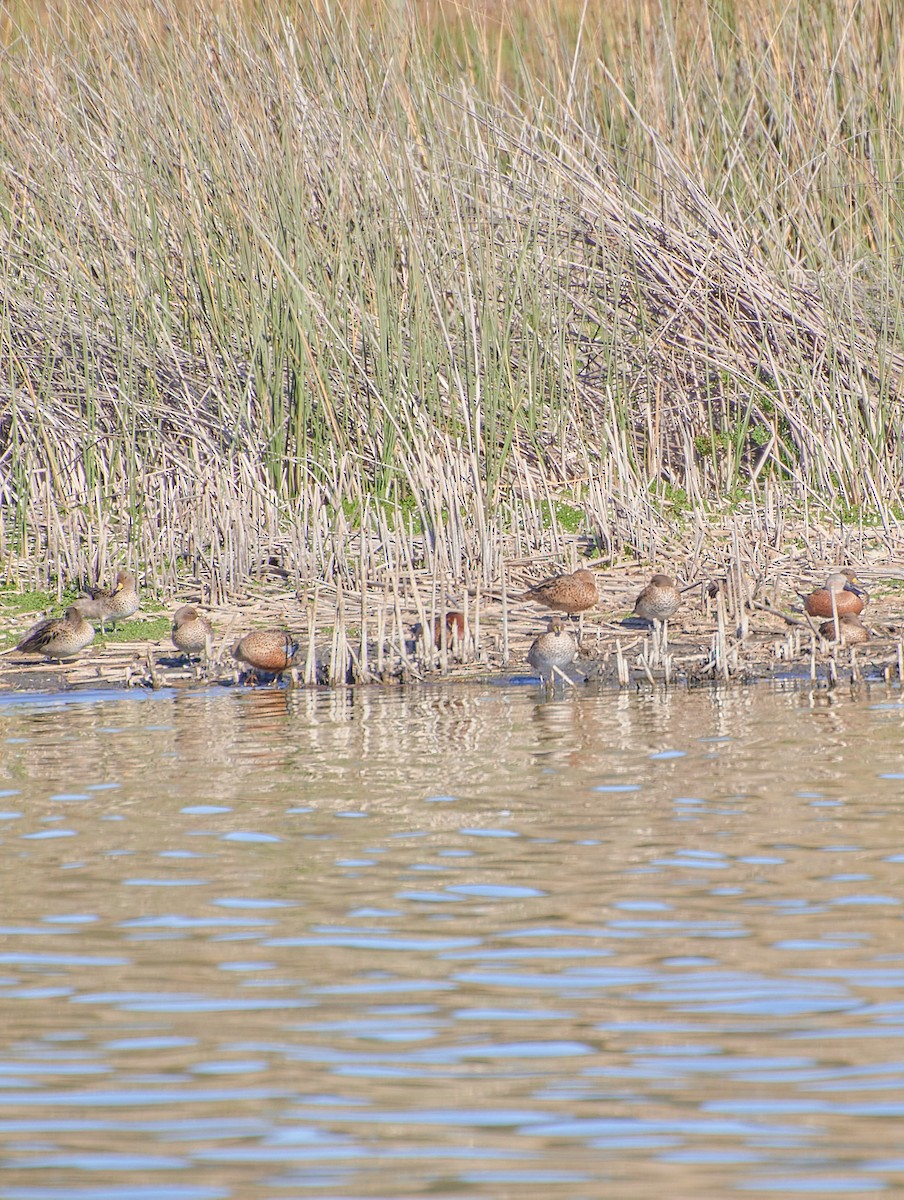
(622, 668)
(310, 665)
(505, 626)
(720, 638)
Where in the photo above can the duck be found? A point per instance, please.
(850, 632)
(573, 593)
(113, 604)
(454, 622)
(552, 651)
(190, 631)
(59, 637)
(97, 611)
(658, 601)
(851, 576)
(840, 595)
(270, 650)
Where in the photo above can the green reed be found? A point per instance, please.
(277, 278)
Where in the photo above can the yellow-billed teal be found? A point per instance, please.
(190, 630)
(121, 600)
(851, 630)
(96, 611)
(552, 650)
(840, 595)
(658, 601)
(58, 637)
(851, 576)
(573, 593)
(266, 650)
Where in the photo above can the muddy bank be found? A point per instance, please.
(722, 632)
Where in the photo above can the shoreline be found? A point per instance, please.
(735, 635)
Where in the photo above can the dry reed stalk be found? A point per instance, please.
(478, 644)
(227, 640)
(398, 633)
(342, 644)
(467, 649)
(310, 664)
(381, 635)
(152, 672)
(832, 672)
(427, 648)
(741, 596)
(720, 638)
(332, 672)
(438, 615)
(856, 675)
(622, 669)
(505, 615)
(363, 663)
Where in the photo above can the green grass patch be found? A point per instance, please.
(14, 600)
(567, 517)
(136, 631)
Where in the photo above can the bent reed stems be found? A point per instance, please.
(390, 289)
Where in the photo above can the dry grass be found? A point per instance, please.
(383, 292)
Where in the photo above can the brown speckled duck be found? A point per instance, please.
(113, 604)
(58, 637)
(191, 631)
(96, 611)
(553, 650)
(573, 593)
(851, 630)
(658, 601)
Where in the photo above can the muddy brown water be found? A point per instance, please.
(463, 940)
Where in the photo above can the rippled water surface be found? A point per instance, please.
(469, 941)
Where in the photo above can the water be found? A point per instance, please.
(465, 942)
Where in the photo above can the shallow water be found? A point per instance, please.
(465, 941)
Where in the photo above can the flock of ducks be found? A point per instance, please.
(839, 603)
(66, 636)
(556, 649)
(270, 650)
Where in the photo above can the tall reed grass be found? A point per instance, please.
(302, 280)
